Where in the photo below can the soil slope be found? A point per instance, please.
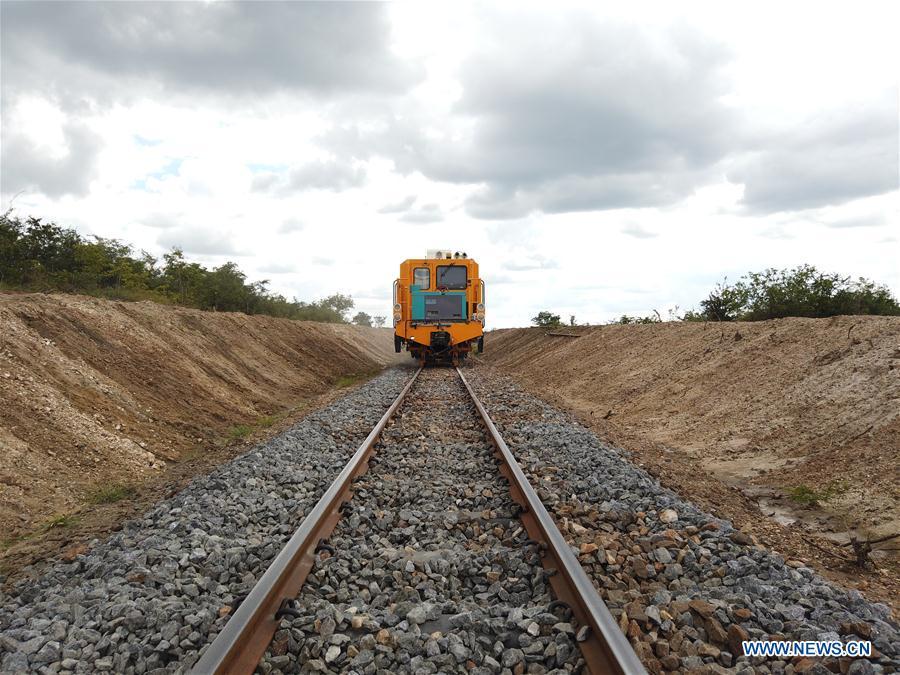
(96, 393)
(736, 416)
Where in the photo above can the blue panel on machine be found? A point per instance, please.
(438, 306)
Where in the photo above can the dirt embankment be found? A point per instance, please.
(739, 416)
(96, 393)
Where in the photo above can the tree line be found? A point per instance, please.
(803, 291)
(43, 256)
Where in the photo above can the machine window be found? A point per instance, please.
(451, 277)
(421, 277)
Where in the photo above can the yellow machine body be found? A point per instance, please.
(439, 307)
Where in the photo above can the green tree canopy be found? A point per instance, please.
(42, 256)
(362, 319)
(546, 319)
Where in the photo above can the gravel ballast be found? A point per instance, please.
(686, 587)
(430, 570)
(148, 598)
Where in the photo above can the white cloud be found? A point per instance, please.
(291, 225)
(202, 240)
(400, 206)
(594, 161)
(426, 213)
(278, 268)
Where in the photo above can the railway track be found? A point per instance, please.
(429, 552)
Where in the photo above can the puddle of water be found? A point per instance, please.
(782, 510)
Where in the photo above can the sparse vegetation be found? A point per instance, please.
(43, 256)
(110, 494)
(266, 421)
(803, 494)
(239, 431)
(61, 521)
(625, 319)
(353, 378)
(346, 381)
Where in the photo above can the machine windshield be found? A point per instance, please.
(451, 277)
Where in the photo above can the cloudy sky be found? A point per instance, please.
(594, 161)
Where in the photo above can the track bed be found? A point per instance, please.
(432, 568)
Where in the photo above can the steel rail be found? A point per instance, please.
(605, 650)
(246, 636)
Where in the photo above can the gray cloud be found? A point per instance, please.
(278, 268)
(864, 220)
(833, 158)
(555, 118)
(325, 176)
(161, 221)
(579, 193)
(575, 114)
(422, 214)
(638, 232)
(265, 182)
(426, 213)
(105, 50)
(200, 240)
(318, 175)
(398, 207)
(25, 166)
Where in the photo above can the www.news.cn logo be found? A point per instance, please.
(821, 648)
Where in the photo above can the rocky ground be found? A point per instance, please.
(146, 599)
(431, 570)
(789, 428)
(100, 399)
(686, 587)
(428, 574)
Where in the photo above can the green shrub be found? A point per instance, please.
(808, 496)
(803, 291)
(546, 319)
(625, 319)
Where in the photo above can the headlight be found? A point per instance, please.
(396, 316)
(480, 306)
(397, 307)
